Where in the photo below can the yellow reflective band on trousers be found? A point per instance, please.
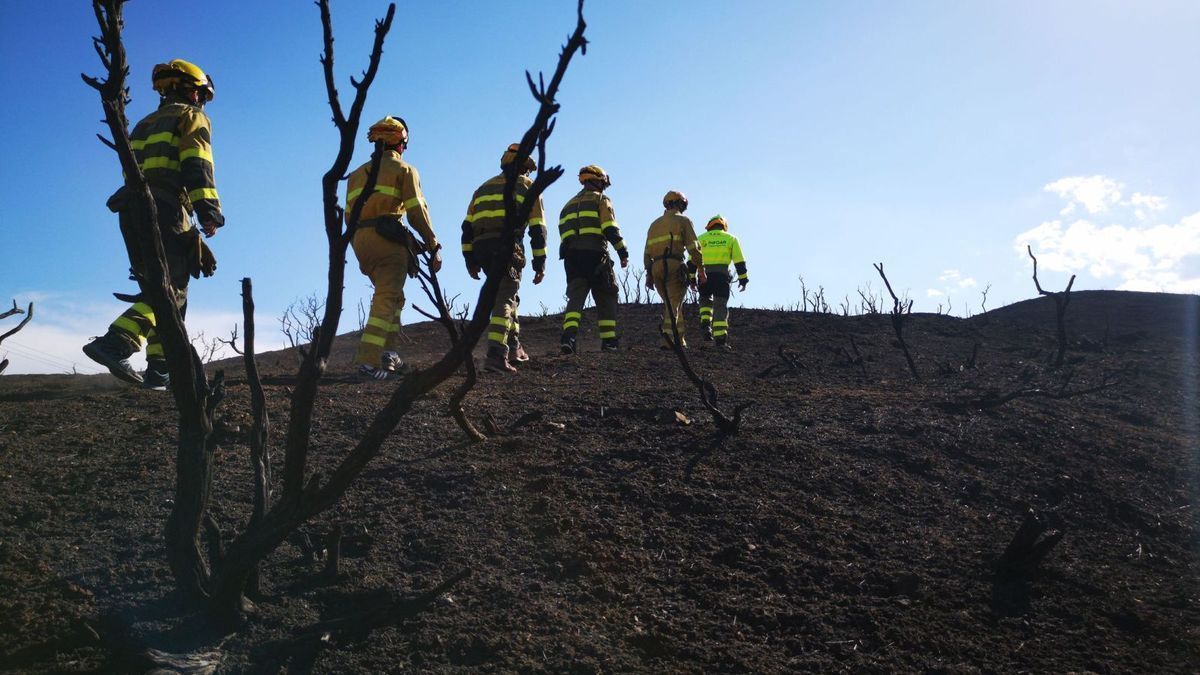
(202, 193)
(154, 349)
(378, 323)
(129, 326)
(571, 320)
(608, 328)
(467, 248)
(137, 322)
(378, 340)
(608, 334)
(607, 323)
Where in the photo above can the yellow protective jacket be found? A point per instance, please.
(586, 222)
(397, 192)
(720, 248)
(173, 147)
(671, 234)
(485, 219)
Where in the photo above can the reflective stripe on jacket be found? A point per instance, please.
(397, 192)
(587, 221)
(173, 147)
(485, 215)
(672, 233)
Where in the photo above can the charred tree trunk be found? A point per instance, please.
(899, 311)
(28, 312)
(1061, 300)
(195, 398)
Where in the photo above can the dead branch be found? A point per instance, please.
(301, 499)
(1027, 548)
(433, 290)
(708, 393)
(1061, 300)
(899, 311)
(1059, 392)
(195, 399)
(14, 310)
(788, 362)
(231, 341)
(28, 312)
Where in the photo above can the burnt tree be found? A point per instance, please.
(899, 311)
(221, 582)
(1061, 300)
(708, 393)
(28, 312)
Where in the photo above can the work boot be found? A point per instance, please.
(567, 344)
(706, 331)
(393, 363)
(366, 372)
(610, 345)
(113, 352)
(723, 344)
(497, 359)
(157, 376)
(515, 351)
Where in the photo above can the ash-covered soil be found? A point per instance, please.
(853, 524)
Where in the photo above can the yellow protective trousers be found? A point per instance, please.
(136, 324)
(670, 284)
(386, 263)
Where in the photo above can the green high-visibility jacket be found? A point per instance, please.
(719, 248)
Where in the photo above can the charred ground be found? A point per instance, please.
(854, 523)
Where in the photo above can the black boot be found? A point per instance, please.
(157, 376)
(497, 359)
(610, 345)
(567, 343)
(113, 352)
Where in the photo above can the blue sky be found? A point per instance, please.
(937, 137)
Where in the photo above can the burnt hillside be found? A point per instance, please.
(855, 523)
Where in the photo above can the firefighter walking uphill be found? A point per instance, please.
(719, 248)
(481, 244)
(586, 226)
(173, 148)
(386, 249)
(670, 235)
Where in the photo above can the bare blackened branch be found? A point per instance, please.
(899, 311)
(1058, 393)
(28, 312)
(1061, 300)
(708, 393)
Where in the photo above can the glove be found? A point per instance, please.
(742, 284)
(474, 269)
(208, 261)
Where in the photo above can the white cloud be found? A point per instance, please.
(1094, 193)
(933, 293)
(949, 275)
(1164, 257)
(969, 282)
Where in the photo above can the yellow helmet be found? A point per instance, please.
(511, 154)
(717, 221)
(591, 172)
(675, 196)
(167, 76)
(392, 130)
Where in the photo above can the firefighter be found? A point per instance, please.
(173, 147)
(481, 244)
(669, 236)
(386, 249)
(585, 224)
(719, 248)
